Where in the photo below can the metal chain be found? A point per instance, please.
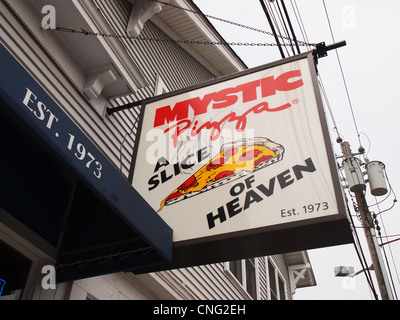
(141, 38)
(299, 42)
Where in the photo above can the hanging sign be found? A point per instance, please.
(240, 156)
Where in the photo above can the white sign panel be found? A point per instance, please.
(238, 154)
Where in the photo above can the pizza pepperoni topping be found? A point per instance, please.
(262, 159)
(188, 183)
(248, 155)
(230, 152)
(223, 174)
(216, 163)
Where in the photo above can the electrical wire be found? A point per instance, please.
(328, 105)
(359, 139)
(290, 27)
(356, 240)
(390, 270)
(303, 31)
(387, 242)
(300, 23)
(357, 244)
(343, 77)
(376, 226)
(280, 23)
(369, 143)
(283, 24)
(392, 235)
(384, 229)
(386, 258)
(361, 255)
(271, 24)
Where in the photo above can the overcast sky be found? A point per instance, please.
(372, 72)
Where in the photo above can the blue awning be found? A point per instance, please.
(59, 184)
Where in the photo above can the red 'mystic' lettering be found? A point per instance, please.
(269, 85)
(166, 114)
(181, 110)
(182, 126)
(225, 98)
(229, 96)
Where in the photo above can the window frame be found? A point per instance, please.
(243, 284)
(277, 277)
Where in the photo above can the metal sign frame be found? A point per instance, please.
(289, 236)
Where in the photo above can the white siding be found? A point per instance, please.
(263, 281)
(106, 133)
(153, 58)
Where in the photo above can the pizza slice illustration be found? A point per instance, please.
(235, 160)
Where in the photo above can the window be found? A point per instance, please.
(281, 286)
(244, 271)
(236, 268)
(272, 281)
(251, 277)
(276, 283)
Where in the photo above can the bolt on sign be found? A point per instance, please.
(242, 166)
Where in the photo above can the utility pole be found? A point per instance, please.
(369, 229)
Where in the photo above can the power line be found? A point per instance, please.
(385, 255)
(361, 256)
(300, 23)
(392, 235)
(383, 281)
(328, 105)
(290, 26)
(343, 77)
(303, 31)
(357, 245)
(384, 229)
(271, 24)
(362, 209)
(279, 22)
(281, 25)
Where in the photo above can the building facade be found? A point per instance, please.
(65, 198)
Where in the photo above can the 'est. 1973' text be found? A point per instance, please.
(309, 208)
(43, 113)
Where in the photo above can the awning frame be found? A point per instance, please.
(32, 109)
